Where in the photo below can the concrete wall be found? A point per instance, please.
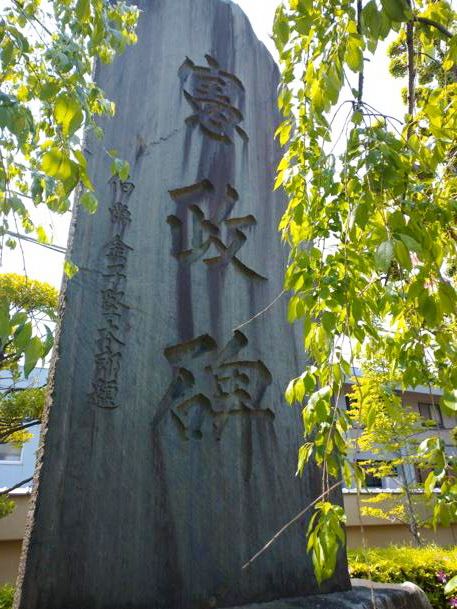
(388, 534)
(11, 533)
(381, 533)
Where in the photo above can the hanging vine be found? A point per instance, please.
(372, 232)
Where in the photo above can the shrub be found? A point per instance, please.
(6, 597)
(424, 566)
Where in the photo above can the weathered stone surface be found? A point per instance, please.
(169, 456)
(386, 596)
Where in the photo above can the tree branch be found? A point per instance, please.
(13, 488)
(290, 523)
(435, 24)
(10, 432)
(411, 72)
(361, 73)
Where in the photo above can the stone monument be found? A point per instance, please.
(168, 453)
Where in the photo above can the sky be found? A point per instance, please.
(39, 263)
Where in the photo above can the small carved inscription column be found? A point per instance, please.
(105, 384)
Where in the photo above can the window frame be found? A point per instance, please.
(19, 461)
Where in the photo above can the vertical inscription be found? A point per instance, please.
(108, 356)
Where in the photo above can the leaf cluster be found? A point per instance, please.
(372, 229)
(47, 96)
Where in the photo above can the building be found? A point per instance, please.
(380, 532)
(17, 465)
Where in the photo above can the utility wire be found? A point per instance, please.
(50, 246)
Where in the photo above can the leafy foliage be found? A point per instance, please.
(47, 95)
(387, 425)
(428, 567)
(6, 597)
(24, 307)
(6, 507)
(372, 231)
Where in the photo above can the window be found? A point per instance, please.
(348, 402)
(373, 481)
(422, 475)
(431, 412)
(9, 453)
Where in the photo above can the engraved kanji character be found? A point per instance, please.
(104, 393)
(193, 233)
(121, 190)
(118, 251)
(213, 385)
(112, 304)
(107, 341)
(120, 214)
(107, 365)
(216, 97)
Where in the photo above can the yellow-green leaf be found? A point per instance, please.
(68, 113)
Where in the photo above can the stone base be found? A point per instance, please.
(387, 596)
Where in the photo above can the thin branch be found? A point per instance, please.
(260, 313)
(435, 24)
(290, 523)
(411, 73)
(411, 68)
(361, 73)
(13, 488)
(10, 432)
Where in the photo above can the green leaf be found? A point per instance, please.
(23, 336)
(120, 168)
(32, 353)
(299, 390)
(4, 320)
(362, 214)
(89, 201)
(83, 10)
(451, 587)
(410, 243)
(48, 342)
(428, 309)
(70, 269)
(281, 30)
(55, 163)
(354, 53)
(448, 297)
(402, 255)
(304, 455)
(384, 256)
(397, 10)
(42, 235)
(449, 400)
(68, 114)
(429, 484)
(370, 18)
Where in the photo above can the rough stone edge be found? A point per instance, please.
(387, 596)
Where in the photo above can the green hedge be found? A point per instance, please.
(397, 564)
(6, 597)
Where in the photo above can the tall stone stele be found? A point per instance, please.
(168, 454)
